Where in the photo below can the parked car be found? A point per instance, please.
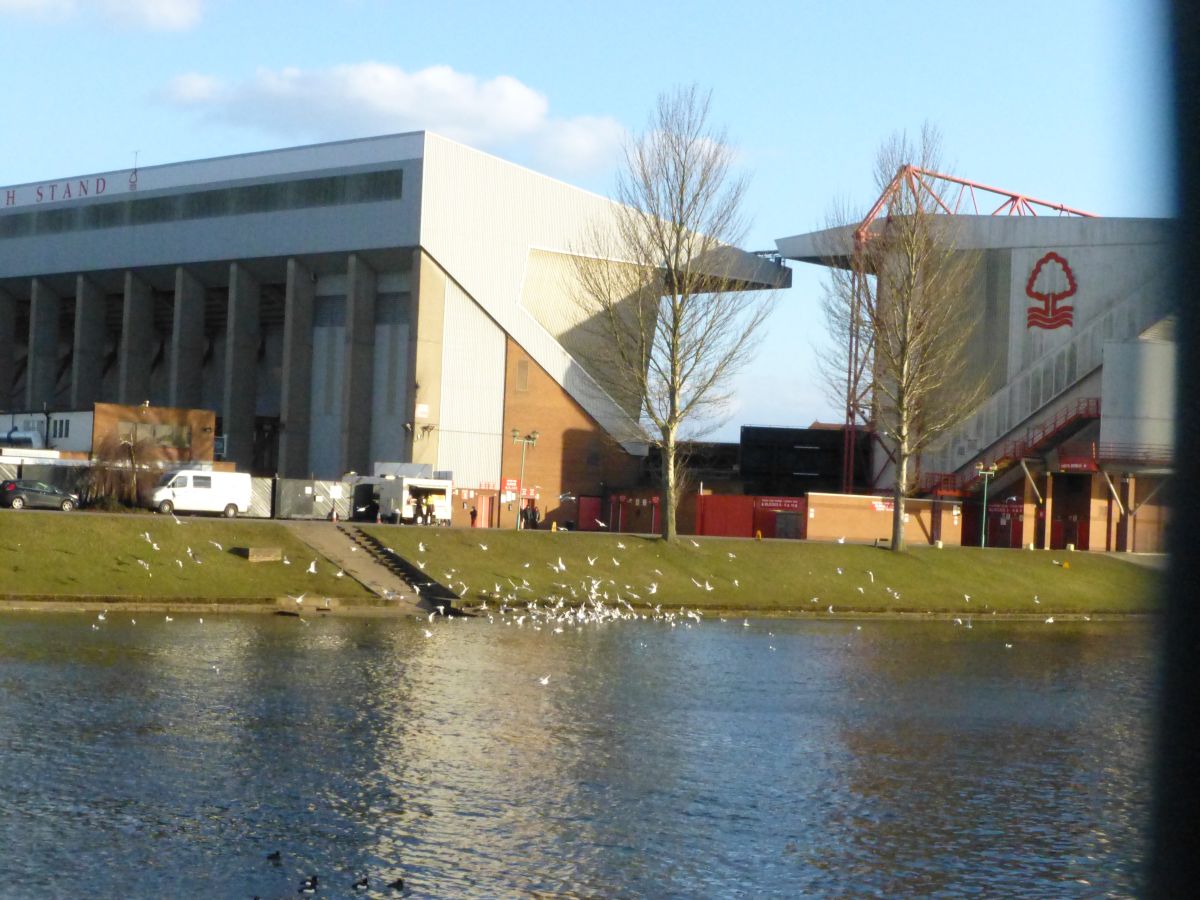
(36, 494)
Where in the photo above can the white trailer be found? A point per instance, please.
(404, 499)
(203, 490)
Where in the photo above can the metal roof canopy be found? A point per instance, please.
(932, 193)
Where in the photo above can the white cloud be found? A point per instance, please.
(365, 98)
(157, 15)
(49, 9)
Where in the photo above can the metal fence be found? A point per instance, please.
(296, 498)
(260, 498)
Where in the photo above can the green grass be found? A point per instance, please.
(82, 555)
(781, 576)
(91, 555)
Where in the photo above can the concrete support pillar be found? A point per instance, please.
(1049, 505)
(241, 366)
(8, 347)
(87, 370)
(429, 293)
(41, 371)
(1128, 492)
(295, 405)
(137, 341)
(187, 340)
(359, 366)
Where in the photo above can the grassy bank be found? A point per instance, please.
(779, 576)
(46, 555)
(83, 555)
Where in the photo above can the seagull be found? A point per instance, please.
(735, 583)
(871, 575)
(545, 679)
(169, 619)
(1050, 620)
(361, 884)
(601, 524)
(591, 560)
(653, 588)
(731, 555)
(338, 574)
(694, 544)
(178, 521)
(420, 546)
(428, 633)
(615, 562)
(620, 546)
(967, 598)
(179, 562)
(1008, 646)
(101, 616)
(839, 571)
(745, 623)
(299, 599)
(286, 561)
(831, 607)
(707, 586)
(483, 546)
(841, 540)
(215, 544)
(312, 568)
(421, 564)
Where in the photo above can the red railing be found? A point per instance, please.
(967, 478)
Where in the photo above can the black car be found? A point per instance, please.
(20, 494)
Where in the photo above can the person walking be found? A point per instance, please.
(474, 515)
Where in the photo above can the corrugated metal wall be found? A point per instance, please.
(328, 362)
(390, 395)
(471, 419)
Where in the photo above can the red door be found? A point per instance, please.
(589, 514)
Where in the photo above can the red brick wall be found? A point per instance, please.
(573, 453)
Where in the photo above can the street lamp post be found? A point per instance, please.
(526, 442)
(987, 472)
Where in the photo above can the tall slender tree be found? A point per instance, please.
(902, 292)
(663, 283)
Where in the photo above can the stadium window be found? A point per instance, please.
(522, 374)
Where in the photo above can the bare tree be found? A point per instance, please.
(663, 284)
(902, 292)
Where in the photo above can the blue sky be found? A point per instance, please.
(1064, 100)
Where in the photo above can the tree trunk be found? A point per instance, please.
(898, 497)
(668, 486)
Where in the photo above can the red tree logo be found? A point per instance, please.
(1050, 281)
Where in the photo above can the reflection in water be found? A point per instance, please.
(785, 758)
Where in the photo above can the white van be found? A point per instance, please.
(202, 490)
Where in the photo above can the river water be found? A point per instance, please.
(774, 758)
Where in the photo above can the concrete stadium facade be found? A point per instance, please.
(1074, 341)
(402, 298)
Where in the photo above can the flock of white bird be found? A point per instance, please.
(591, 600)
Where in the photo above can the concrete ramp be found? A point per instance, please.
(343, 546)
